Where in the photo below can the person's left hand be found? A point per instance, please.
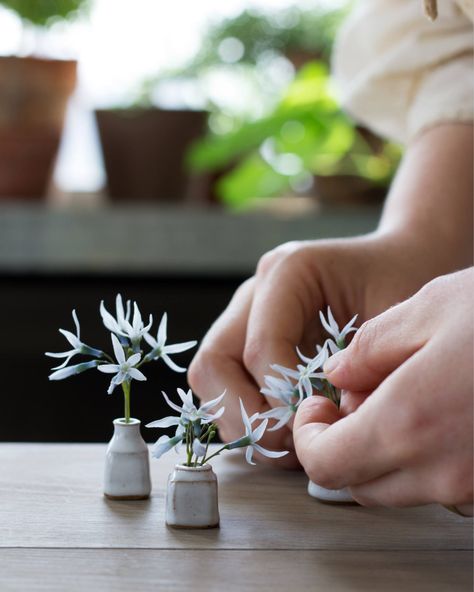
(404, 434)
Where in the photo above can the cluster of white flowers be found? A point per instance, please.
(196, 428)
(127, 335)
(300, 383)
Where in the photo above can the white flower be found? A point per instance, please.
(189, 413)
(161, 350)
(78, 346)
(252, 436)
(285, 391)
(165, 443)
(125, 369)
(304, 374)
(121, 325)
(72, 370)
(332, 327)
(198, 448)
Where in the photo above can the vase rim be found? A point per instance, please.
(121, 422)
(205, 467)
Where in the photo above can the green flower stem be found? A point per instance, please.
(211, 434)
(189, 444)
(126, 394)
(207, 459)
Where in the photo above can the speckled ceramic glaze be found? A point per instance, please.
(127, 465)
(191, 498)
(330, 495)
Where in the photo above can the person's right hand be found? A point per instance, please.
(276, 310)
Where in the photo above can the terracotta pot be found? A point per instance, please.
(144, 152)
(33, 97)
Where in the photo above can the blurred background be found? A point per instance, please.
(158, 150)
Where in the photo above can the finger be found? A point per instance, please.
(285, 302)
(369, 442)
(379, 346)
(400, 488)
(218, 366)
(351, 401)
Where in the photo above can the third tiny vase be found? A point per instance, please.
(333, 496)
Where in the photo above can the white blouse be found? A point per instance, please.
(398, 73)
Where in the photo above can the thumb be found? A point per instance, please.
(377, 349)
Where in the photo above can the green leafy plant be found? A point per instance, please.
(44, 13)
(307, 134)
(248, 36)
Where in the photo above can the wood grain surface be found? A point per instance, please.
(58, 532)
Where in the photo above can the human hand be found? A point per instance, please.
(410, 441)
(276, 310)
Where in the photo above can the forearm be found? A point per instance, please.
(430, 203)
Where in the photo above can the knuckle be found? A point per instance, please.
(198, 371)
(283, 254)
(365, 340)
(252, 355)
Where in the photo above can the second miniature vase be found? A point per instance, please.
(127, 465)
(191, 498)
(333, 496)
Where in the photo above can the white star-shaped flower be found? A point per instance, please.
(332, 327)
(121, 325)
(125, 370)
(78, 346)
(161, 350)
(252, 436)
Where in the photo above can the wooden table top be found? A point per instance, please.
(58, 533)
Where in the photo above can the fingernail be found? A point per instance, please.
(332, 363)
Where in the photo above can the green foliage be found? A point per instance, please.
(306, 134)
(43, 13)
(284, 32)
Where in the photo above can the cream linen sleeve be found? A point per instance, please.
(399, 73)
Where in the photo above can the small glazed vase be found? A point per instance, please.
(127, 466)
(191, 498)
(331, 496)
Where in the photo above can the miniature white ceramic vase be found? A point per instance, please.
(191, 498)
(333, 496)
(127, 465)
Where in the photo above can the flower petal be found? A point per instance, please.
(177, 348)
(136, 374)
(166, 422)
(169, 362)
(258, 432)
(171, 404)
(118, 349)
(210, 404)
(161, 335)
(270, 453)
(249, 454)
(150, 340)
(245, 419)
(109, 368)
(134, 359)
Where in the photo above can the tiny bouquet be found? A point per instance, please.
(195, 428)
(127, 335)
(296, 384)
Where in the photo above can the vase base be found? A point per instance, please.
(192, 527)
(124, 498)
